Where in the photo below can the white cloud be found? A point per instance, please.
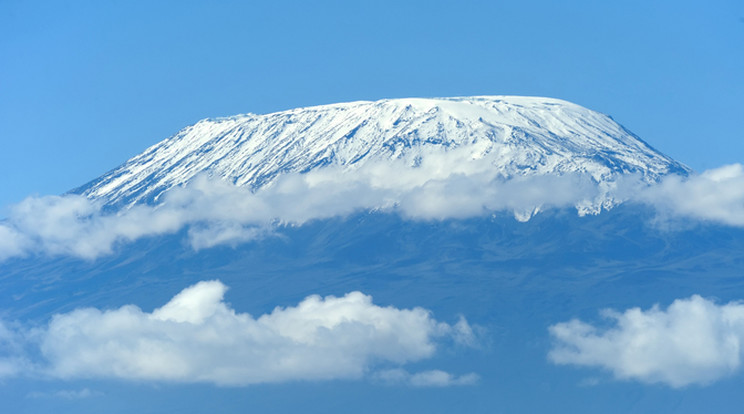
(73, 225)
(13, 361)
(715, 195)
(693, 341)
(432, 378)
(215, 212)
(197, 337)
(456, 186)
(65, 394)
(12, 243)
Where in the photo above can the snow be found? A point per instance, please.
(519, 135)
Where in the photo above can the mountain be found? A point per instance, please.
(512, 281)
(519, 136)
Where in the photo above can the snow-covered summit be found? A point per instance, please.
(519, 136)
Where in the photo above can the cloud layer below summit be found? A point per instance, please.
(215, 212)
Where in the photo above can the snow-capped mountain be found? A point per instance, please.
(518, 135)
(151, 298)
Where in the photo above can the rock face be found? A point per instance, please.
(518, 135)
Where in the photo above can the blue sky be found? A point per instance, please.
(85, 85)
(503, 315)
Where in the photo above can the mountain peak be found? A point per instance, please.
(520, 136)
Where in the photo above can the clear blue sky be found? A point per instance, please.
(84, 85)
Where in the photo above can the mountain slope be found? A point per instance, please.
(511, 280)
(518, 135)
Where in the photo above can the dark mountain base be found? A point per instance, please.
(619, 258)
(512, 279)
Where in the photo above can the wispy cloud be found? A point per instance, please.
(432, 378)
(13, 342)
(64, 394)
(693, 341)
(215, 212)
(197, 337)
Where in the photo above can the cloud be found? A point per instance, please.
(73, 225)
(215, 212)
(716, 195)
(197, 337)
(693, 341)
(12, 243)
(432, 378)
(65, 394)
(454, 186)
(13, 361)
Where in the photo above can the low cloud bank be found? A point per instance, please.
(197, 337)
(216, 213)
(715, 195)
(693, 341)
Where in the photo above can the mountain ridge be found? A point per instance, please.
(520, 136)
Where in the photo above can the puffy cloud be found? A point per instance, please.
(215, 212)
(73, 225)
(12, 242)
(715, 195)
(197, 337)
(693, 341)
